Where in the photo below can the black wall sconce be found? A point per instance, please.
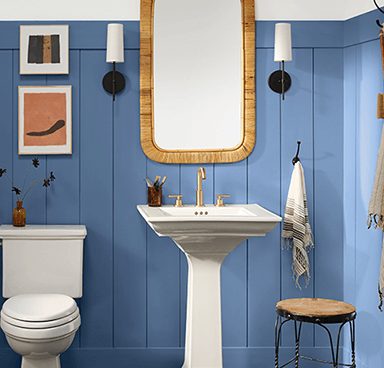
(114, 81)
(280, 81)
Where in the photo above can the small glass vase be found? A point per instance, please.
(19, 215)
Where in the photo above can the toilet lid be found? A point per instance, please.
(40, 325)
(39, 307)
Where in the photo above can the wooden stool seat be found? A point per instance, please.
(319, 312)
(316, 310)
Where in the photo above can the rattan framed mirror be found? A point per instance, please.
(215, 122)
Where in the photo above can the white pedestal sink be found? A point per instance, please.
(207, 235)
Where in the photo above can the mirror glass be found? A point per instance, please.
(197, 75)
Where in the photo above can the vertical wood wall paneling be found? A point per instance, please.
(35, 203)
(349, 186)
(63, 197)
(163, 278)
(135, 291)
(188, 185)
(96, 183)
(232, 179)
(328, 174)
(297, 124)
(6, 152)
(368, 242)
(264, 188)
(129, 228)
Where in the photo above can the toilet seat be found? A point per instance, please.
(39, 307)
(46, 324)
(40, 316)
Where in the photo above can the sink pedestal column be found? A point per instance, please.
(203, 345)
(206, 240)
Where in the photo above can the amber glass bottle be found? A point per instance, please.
(19, 215)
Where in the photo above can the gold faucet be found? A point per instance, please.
(199, 192)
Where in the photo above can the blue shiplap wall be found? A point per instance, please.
(133, 309)
(362, 132)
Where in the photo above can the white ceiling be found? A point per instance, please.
(129, 9)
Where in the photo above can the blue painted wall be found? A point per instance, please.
(362, 131)
(133, 309)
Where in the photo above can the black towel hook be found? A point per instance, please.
(381, 11)
(296, 159)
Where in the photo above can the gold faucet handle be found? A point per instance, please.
(202, 172)
(179, 199)
(220, 199)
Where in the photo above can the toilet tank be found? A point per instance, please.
(43, 259)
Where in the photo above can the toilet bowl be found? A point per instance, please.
(42, 275)
(40, 327)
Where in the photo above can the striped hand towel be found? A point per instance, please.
(376, 209)
(296, 227)
(376, 204)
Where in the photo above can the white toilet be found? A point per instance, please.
(42, 272)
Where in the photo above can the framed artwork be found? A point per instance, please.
(44, 49)
(45, 120)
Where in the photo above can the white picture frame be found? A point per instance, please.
(38, 134)
(38, 55)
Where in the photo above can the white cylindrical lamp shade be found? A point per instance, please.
(283, 42)
(115, 43)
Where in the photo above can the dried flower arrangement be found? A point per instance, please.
(22, 192)
(19, 213)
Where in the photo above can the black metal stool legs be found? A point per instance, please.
(353, 333)
(335, 357)
(297, 344)
(278, 326)
(277, 340)
(335, 351)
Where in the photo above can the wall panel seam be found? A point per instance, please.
(46, 168)
(146, 271)
(247, 261)
(13, 118)
(113, 223)
(79, 152)
(281, 197)
(355, 172)
(314, 185)
(180, 257)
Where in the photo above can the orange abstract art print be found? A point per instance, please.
(45, 120)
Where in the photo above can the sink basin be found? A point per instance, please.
(231, 220)
(207, 235)
(206, 212)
